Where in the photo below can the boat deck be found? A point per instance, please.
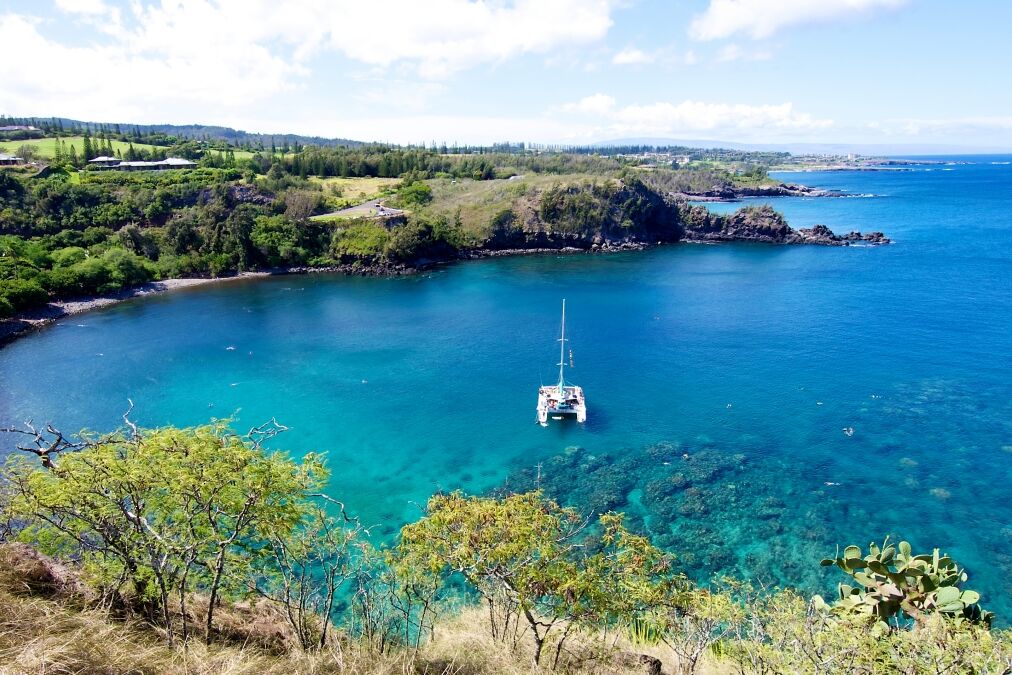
(570, 404)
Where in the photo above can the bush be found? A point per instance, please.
(360, 239)
(115, 269)
(415, 194)
(65, 257)
(22, 294)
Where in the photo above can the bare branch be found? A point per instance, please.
(266, 431)
(126, 419)
(44, 444)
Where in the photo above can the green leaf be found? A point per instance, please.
(946, 595)
(852, 552)
(951, 607)
(970, 597)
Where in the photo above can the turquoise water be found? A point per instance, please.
(719, 380)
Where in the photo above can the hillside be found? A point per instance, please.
(203, 132)
(160, 550)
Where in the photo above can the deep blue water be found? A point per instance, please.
(719, 380)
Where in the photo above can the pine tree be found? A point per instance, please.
(73, 155)
(57, 152)
(89, 153)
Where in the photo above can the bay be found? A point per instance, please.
(721, 380)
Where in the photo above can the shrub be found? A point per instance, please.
(22, 294)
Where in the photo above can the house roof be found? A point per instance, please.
(103, 158)
(169, 161)
(9, 157)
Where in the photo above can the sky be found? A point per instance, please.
(871, 72)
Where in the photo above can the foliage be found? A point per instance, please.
(161, 512)
(20, 294)
(896, 585)
(180, 523)
(362, 238)
(414, 194)
(781, 632)
(277, 240)
(525, 557)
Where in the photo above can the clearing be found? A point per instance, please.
(356, 190)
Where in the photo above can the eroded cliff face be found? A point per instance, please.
(595, 216)
(587, 216)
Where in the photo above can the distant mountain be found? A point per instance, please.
(205, 132)
(878, 149)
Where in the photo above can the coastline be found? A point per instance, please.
(29, 322)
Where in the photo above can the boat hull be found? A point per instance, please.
(569, 404)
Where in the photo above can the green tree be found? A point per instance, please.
(156, 512)
(277, 240)
(89, 151)
(528, 559)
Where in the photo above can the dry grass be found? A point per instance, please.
(356, 189)
(48, 624)
(476, 203)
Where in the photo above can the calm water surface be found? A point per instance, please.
(720, 380)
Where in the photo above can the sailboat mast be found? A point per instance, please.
(562, 350)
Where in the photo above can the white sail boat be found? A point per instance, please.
(561, 400)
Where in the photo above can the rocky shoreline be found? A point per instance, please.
(760, 225)
(728, 194)
(29, 322)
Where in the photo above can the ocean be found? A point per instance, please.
(751, 407)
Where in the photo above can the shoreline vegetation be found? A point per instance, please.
(73, 231)
(30, 321)
(75, 237)
(198, 549)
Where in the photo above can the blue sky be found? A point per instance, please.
(553, 71)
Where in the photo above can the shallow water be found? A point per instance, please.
(720, 380)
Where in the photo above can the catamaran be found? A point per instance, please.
(561, 400)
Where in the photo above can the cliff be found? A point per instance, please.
(631, 214)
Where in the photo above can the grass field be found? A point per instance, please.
(46, 147)
(478, 202)
(355, 190)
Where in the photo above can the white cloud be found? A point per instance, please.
(445, 36)
(167, 59)
(82, 6)
(94, 13)
(762, 18)
(957, 127)
(632, 56)
(596, 104)
(733, 52)
(135, 76)
(691, 117)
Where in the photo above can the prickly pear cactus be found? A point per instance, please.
(895, 585)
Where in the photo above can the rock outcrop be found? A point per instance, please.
(763, 224)
(723, 193)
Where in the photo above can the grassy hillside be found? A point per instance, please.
(475, 203)
(356, 189)
(46, 148)
(49, 623)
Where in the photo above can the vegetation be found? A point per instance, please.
(69, 229)
(233, 558)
